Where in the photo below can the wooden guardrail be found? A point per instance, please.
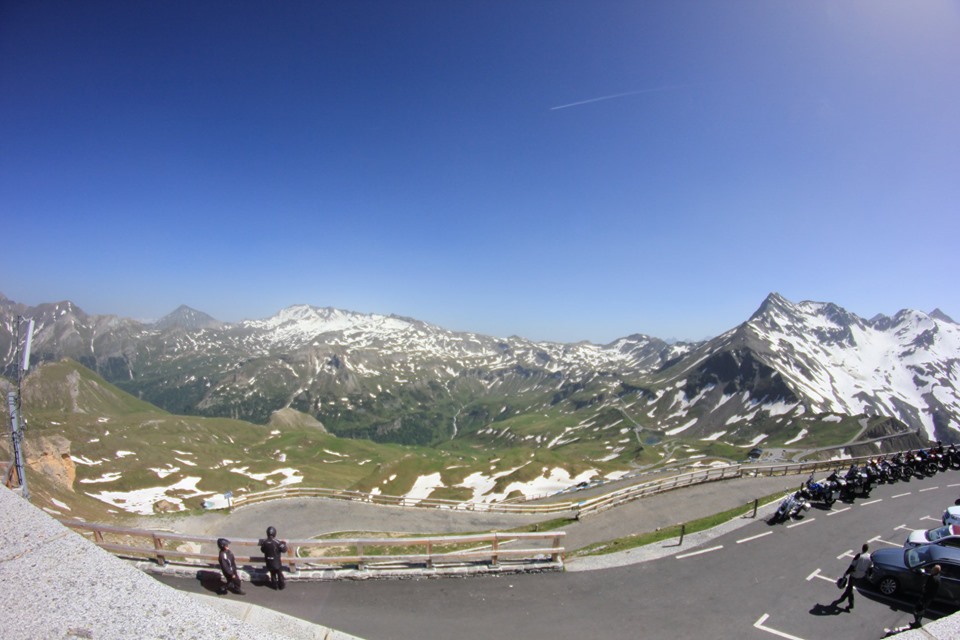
(362, 553)
(602, 503)
(398, 501)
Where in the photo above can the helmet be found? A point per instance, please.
(271, 532)
(222, 543)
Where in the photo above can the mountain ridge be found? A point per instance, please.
(400, 379)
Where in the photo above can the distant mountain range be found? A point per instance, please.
(395, 379)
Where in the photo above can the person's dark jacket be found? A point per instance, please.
(228, 563)
(272, 550)
(931, 586)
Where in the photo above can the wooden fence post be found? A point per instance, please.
(495, 558)
(158, 545)
(429, 554)
(360, 560)
(294, 552)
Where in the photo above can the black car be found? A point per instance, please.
(899, 571)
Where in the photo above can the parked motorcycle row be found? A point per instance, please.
(859, 481)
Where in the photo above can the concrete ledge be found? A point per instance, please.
(947, 628)
(57, 584)
(267, 619)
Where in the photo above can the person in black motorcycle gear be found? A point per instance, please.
(272, 550)
(228, 565)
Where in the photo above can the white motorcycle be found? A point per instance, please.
(792, 505)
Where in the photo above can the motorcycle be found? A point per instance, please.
(872, 471)
(904, 471)
(858, 483)
(889, 472)
(840, 486)
(821, 491)
(916, 464)
(939, 457)
(953, 457)
(926, 465)
(791, 506)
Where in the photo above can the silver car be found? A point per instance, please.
(951, 515)
(948, 535)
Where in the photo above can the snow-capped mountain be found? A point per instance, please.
(790, 360)
(399, 379)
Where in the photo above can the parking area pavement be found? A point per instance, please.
(761, 579)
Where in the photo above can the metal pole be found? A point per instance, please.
(15, 438)
(13, 402)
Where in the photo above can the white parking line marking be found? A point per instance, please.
(759, 535)
(929, 518)
(816, 574)
(863, 504)
(928, 489)
(903, 526)
(951, 486)
(900, 495)
(892, 544)
(696, 553)
(759, 625)
(833, 513)
(797, 524)
(846, 554)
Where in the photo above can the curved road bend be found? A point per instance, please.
(304, 518)
(758, 581)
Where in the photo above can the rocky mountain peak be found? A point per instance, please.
(936, 314)
(184, 317)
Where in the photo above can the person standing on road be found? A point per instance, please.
(931, 585)
(272, 550)
(228, 564)
(857, 570)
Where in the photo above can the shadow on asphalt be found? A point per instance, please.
(906, 603)
(210, 580)
(773, 521)
(826, 610)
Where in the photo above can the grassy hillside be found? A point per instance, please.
(100, 453)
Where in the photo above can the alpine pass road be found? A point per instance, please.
(759, 581)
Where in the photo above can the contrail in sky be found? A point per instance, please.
(619, 95)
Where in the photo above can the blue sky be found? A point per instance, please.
(557, 170)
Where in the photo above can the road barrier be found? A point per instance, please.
(493, 549)
(396, 501)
